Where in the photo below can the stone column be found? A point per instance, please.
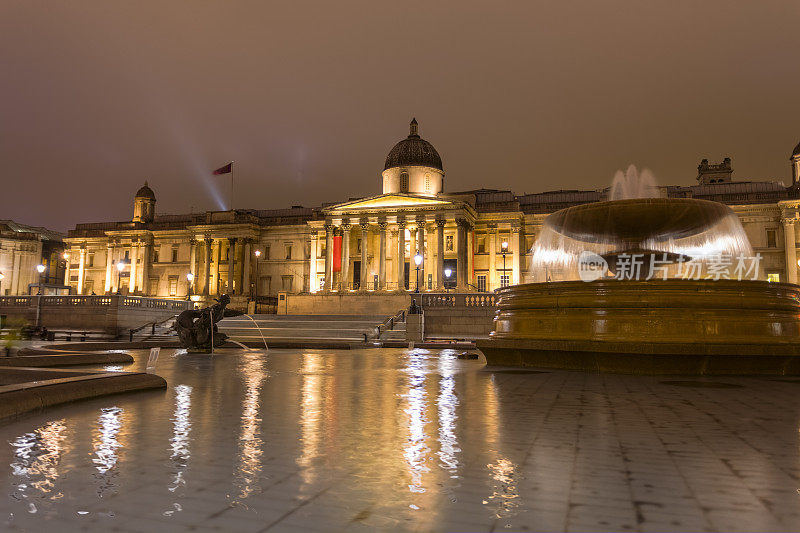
(81, 270)
(461, 246)
(401, 254)
(134, 268)
(247, 260)
(516, 250)
(193, 265)
(421, 249)
(491, 236)
(345, 274)
(207, 266)
(216, 258)
(412, 251)
(382, 255)
(312, 264)
(145, 285)
(230, 288)
(440, 223)
(791, 251)
(109, 268)
(328, 257)
(364, 223)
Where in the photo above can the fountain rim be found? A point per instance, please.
(556, 220)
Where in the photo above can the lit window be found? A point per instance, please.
(173, 285)
(504, 280)
(774, 278)
(482, 283)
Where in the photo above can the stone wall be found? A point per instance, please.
(108, 314)
(349, 303)
(459, 316)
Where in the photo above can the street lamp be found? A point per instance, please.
(120, 268)
(417, 261)
(447, 273)
(190, 279)
(504, 251)
(257, 253)
(40, 269)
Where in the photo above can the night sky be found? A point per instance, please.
(309, 97)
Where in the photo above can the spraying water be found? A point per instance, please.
(259, 331)
(636, 221)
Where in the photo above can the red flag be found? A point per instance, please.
(227, 169)
(337, 253)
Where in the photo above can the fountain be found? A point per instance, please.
(646, 284)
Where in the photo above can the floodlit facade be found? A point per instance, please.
(22, 249)
(475, 240)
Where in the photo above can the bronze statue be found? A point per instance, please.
(195, 326)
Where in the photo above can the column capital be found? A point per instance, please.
(208, 240)
(440, 222)
(401, 222)
(328, 226)
(420, 219)
(364, 223)
(382, 225)
(786, 221)
(232, 240)
(345, 226)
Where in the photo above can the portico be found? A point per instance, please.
(371, 243)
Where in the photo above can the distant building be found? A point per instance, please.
(22, 249)
(480, 237)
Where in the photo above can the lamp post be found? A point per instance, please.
(447, 273)
(257, 253)
(120, 268)
(417, 261)
(40, 268)
(504, 251)
(189, 279)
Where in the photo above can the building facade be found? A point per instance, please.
(23, 248)
(475, 240)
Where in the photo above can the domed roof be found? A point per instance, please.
(413, 151)
(145, 192)
(796, 150)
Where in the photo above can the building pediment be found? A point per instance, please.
(389, 202)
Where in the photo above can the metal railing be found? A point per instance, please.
(152, 325)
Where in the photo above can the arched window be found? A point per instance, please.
(404, 181)
(427, 183)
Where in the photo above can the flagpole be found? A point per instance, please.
(231, 186)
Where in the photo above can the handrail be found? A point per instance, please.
(389, 322)
(152, 324)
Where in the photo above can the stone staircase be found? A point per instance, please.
(303, 330)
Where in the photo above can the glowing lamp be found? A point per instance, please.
(447, 272)
(40, 268)
(258, 253)
(417, 259)
(190, 277)
(2, 277)
(120, 265)
(504, 245)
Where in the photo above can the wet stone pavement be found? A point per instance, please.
(406, 440)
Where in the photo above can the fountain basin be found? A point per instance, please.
(655, 326)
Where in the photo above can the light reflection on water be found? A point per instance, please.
(105, 445)
(250, 443)
(37, 456)
(447, 404)
(416, 449)
(384, 425)
(179, 443)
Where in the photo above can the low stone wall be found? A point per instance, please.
(110, 314)
(458, 315)
(370, 303)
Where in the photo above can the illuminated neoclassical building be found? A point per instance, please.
(470, 241)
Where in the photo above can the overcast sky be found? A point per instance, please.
(308, 97)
